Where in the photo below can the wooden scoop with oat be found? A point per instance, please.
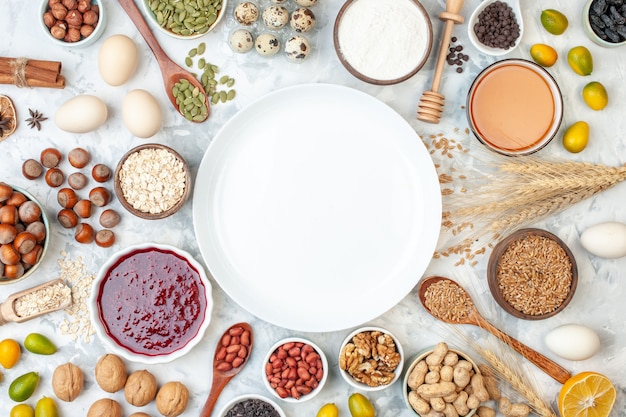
(36, 301)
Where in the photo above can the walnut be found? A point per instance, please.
(172, 398)
(140, 388)
(370, 358)
(139, 415)
(105, 407)
(67, 382)
(110, 373)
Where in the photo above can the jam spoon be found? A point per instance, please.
(172, 73)
(470, 315)
(223, 369)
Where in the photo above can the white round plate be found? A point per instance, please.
(317, 208)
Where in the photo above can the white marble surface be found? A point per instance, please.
(598, 302)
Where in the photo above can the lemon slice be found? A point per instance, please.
(587, 394)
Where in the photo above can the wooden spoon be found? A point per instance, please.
(7, 309)
(473, 317)
(222, 377)
(171, 72)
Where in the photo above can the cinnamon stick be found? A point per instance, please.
(31, 73)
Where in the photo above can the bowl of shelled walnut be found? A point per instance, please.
(72, 23)
(532, 274)
(441, 378)
(24, 234)
(152, 181)
(371, 359)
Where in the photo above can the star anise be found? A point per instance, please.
(35, 119)
(4, 125)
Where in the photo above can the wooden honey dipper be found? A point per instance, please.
(430, 106)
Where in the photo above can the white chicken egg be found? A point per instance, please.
(573, 341)
(81, 114)
(141, 114)
(606, 240)
(117, 59)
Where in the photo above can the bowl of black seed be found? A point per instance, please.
(496, 27)
(604, 22)
(251, 405)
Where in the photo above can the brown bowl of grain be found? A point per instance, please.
(152, 181)
(532, 274)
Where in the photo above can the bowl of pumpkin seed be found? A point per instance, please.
(187, 19)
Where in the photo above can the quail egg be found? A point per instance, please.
(279, 1)
(267, 44)
(302, 20)
(275, 17)
(297, 48)
(246, 13)
(306, 3)
(241, 41)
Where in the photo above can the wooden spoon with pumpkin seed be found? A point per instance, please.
(173, 74)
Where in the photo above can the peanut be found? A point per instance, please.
(432, 378)
(439, 352)
(461, 377)
(478, 387)
(440, 389)
(460, 404)
(232, 352)
(484, 411)
(447, 373)
(294, 369)
(437, 404)
(473, 401)
(420, 405)
(417, 375)
(450, 411)
(491, 384)
(451, 359)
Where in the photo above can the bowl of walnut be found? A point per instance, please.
(371, 359)
(152, 181)
(72, 23)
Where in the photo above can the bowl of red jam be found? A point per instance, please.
(151, 303)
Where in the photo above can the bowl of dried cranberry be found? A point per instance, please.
(295, 369)
(604, 22)
(251, 405)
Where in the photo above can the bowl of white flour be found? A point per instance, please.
(383, 42)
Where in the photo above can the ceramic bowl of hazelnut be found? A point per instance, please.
(72, 23)
(371, 359)
(152, 181)
(24, 231)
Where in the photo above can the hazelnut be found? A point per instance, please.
(105, 238)
(24, 242)
(50, 157)
(74, 18)
(105, 407)
(83, 208)
(8, 215)
(101, 173)
(31, 169)
(77, 180)
(110, 373)
(48, 19)
(7, 233)
(59, 30)
(9, 255)
(51, 2)
(13, 271)
(6, 191)
(16, 199)
(172, 398)
(139, 415)
(29, 212)
(68, 218)
(70, 4)
(72, 35)
(84, 233)
(67, 382)
(67, 198)
(84, 5)
(100, 196)
(90, 18)
(86, 30)
(38, 229)
(54, 177)
(109, 218)
(32, 257)
(140, 388)
(59, 11)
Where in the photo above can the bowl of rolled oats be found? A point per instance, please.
(532, 274)
(371, 359)
(152, 181)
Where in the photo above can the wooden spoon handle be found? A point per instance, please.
(216, 389)
(135, 15)
(550, 367)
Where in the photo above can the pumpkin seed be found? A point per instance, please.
(230, 82)
(224, 79)
(231, 94)
(189, 62)
(201, 48)
(201, 63)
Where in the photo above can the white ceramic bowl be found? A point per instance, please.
(245, 397)
(303, 397)
(421, 356)
(30, 271)
(514, 4)
(397, 372)
(153, 19)
(590, 32)
(104, 300)
(90, 40)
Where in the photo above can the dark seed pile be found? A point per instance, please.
(497, 26)
(456, 56)
(608, 19)
(252, 408)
